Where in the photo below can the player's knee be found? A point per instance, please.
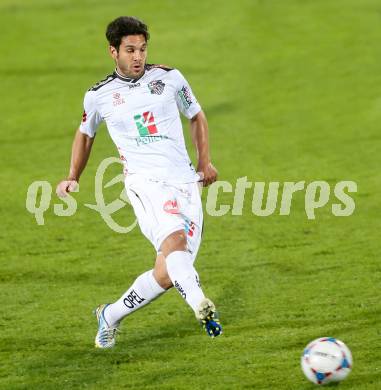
(160, 272)
(161, 276)
(164, 281)
(177, 241)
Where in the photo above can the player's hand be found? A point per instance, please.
(66, 186)
(208, 173)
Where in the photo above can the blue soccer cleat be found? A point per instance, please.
(208, 317)
(105, 337)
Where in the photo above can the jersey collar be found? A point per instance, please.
(128, 79)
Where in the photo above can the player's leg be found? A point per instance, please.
(160, 272)
(146, 287)
(181, 272)
(180, 268)
(143, 290)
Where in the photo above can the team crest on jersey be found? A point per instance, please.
(156, 87)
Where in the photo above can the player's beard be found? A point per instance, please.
(130, 71)
(139, 71)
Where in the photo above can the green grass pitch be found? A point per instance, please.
(292, 91)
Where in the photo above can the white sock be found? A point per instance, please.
(144, 290)
(185, 278)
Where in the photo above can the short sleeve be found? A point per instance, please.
(186, 101)
(91, 118)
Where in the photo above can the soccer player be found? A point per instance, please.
(140, 104)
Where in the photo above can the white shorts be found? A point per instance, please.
(163, 208)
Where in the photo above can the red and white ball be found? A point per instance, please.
(326, 360)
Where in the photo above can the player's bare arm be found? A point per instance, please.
(200, 138)
(79, 156)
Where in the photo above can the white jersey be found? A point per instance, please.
(142, 117)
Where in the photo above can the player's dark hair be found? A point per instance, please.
(123, 26)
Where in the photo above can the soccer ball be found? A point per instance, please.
(326, 360)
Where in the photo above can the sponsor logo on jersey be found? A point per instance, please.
(84, 116)
(180, 289)
(171, 207)
(133, 299)
(130, 86)
(185, 97)
(117, 99)
(148, 139)
(145, 123)
(156, 87)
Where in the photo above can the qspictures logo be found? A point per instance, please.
(277, 198)
(222, 198)
(39, 199)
